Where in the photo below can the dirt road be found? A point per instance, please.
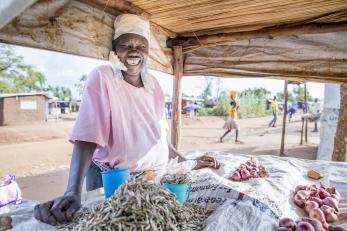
(39, 154)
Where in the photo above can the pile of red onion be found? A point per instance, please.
(320, 203)
(305, 224)
(248, 170)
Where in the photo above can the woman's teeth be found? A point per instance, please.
(133, 61)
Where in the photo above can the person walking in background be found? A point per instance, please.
(291, 112)
(274, 106)
(232, 122)
(316, 113)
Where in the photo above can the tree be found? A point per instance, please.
(81, 84)
(15, 76)
(291, 97)
(299, 94)
(61, 93)
(259, 91)
(208, 88)
(219, 84)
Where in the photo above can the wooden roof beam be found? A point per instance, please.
(192, 43)
(11, 9)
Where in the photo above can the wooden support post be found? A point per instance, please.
(306, 110)
(177, 97)
(302, 131)
(340, 144)
(284, 117)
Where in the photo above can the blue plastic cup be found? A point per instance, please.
(112, 179)
(182, 191)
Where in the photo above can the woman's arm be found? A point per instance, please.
(61, 209)
(173, 153)
(81, 158)
(203, 161)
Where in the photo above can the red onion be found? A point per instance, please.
(310, 205)
(323, 193)
(316, 199)
(304, 226)
(316, 213)
(300, 187)
(236, 176)
(245, 175)
(299, 200)
(331, 217)
(332, 202)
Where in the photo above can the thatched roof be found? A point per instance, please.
(206, 17)
(288, 39)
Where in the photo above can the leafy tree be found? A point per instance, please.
(291, 98)
(81, 84)
(61, 93)
(208, 88)
(15, 76)
(260, 91)
(299, 94)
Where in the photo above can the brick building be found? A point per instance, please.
(21, 108)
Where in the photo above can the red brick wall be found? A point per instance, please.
(13, 114)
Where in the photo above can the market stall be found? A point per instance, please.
(256, 204)
(290, 40)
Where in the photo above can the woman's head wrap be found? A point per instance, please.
(131, 24)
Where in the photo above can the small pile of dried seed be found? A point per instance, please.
(141, 205)
(176, 178)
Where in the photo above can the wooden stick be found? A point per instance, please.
(302, 131)
(190, 43)
(284, 117)
(177, 97)
(306, 110)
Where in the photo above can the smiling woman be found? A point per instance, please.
(121, 122)
(132, 50)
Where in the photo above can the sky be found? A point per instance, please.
(65, 70)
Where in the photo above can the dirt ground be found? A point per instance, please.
(39, 154)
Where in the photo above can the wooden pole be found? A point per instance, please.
(306, 110)
(302, 131)
(284, 117)
(177, 97)
(340, 143)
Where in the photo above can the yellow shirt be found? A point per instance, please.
(232, 113)
(274, 105)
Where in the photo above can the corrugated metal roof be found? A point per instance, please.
(24, 94)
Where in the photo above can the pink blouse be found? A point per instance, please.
(127, 123)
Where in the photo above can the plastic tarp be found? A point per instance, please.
(251, 205)
(328, 120)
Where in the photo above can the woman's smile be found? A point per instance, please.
(133, 60)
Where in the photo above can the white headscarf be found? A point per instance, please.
(131, 23)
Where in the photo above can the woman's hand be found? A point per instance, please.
(206, 161)
(59, 210)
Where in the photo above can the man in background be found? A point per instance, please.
(316, 113)
(274, 107)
